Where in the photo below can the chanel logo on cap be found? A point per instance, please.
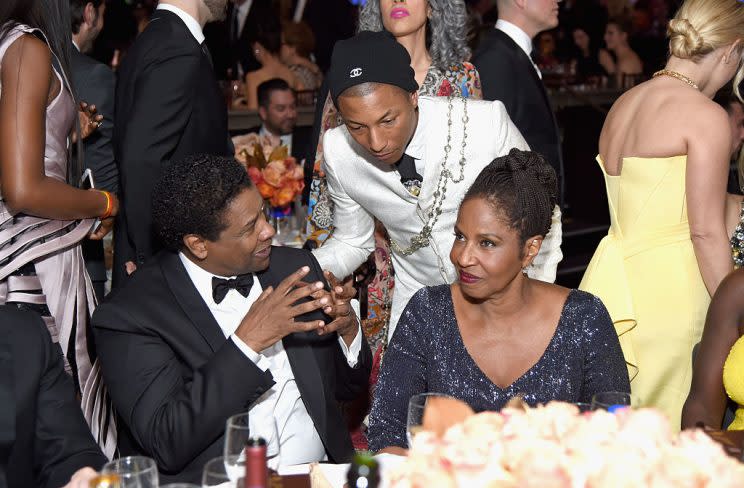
(355, 72)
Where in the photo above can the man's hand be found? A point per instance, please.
(344, 320)
(272, 316)
(81, 478)
(130, 267)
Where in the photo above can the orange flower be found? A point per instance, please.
(255, 175)
(273, 173)
(266, 190)
(283, 197)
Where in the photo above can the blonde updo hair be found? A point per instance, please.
(702, 26)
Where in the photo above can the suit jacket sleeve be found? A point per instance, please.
(63, 443)
(172, 418)
(545, 264)
(494, 69)
(162, 101)
(99, 150)
(352, 240)
(350, 381)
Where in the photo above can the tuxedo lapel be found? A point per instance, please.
(526, 63)
(7, 402)
(190, 301)
(303, 363)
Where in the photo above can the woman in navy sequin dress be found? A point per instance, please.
(496, 333)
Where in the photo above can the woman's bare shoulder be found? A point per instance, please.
(28, 48)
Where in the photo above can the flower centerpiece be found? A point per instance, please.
(556, 446)
(275, 173)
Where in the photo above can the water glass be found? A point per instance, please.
(239, 429)
(134, 471)
(221, 472)
(416, 407)
(583, 407)
(611, 401)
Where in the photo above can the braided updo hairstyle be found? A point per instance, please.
(702, 26)
(523, 188)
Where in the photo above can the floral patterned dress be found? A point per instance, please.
(461, 80)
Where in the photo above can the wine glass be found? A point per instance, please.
(583, 407)
(220, 472)
(416, 407)
(611, 401)
(134, 471)
(239, 429)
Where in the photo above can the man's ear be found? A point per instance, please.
(196, 245)
(414, 99)
(262, 112)
(89, 13)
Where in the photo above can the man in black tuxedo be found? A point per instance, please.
(219, 324)
(168, 106)
(508, 74)
(94, 84)
(44, 439)
(277, 108)
(231, 40)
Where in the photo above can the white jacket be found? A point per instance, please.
(363, 188)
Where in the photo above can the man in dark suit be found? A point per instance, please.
(508, 74)
(219, 324)
(168, 106)
(44, 439)
(94, 84)
(277, 108)
(231, 40)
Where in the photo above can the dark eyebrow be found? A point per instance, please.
(385, 115)
(251, 222)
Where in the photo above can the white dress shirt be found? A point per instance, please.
(285, 140)
(363, 188)
(242, 12)
(519, 36)
(299, 441)
(191, 23)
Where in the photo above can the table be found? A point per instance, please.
(241, 120)
(582, 96)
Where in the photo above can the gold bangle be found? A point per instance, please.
(109, 205)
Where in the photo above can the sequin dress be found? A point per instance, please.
(427, 354)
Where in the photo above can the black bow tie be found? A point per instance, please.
(220, 286)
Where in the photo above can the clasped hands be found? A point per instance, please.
(272, 316)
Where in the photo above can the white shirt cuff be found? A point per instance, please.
(352, 352)
(258, 359)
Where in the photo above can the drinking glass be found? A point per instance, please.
(134, 471)
(220, 472)
(239, 429)
(611, 400)
(416, 407)
(583, 407)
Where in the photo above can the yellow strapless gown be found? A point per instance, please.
(646, 274)
(733, 381)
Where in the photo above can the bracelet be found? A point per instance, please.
(109, 205)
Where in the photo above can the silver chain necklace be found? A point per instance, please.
(421, 239)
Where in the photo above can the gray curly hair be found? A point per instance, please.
(446, 30)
